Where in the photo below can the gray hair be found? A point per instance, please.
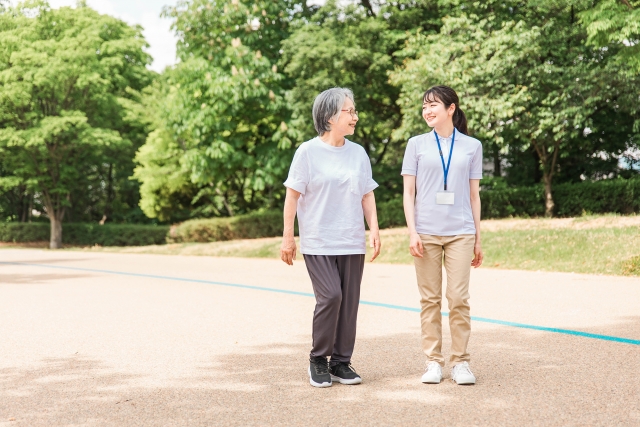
(327, 106)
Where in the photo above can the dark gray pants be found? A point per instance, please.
(336, 284)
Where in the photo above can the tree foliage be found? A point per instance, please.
(526, 77)
(67, 78)
(221, 110)
(354, 46)
(616, 22)
(549, 87)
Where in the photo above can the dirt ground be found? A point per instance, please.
(104, 339)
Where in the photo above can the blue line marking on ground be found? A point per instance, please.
(307, 294)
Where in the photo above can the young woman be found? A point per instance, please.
(331, 188)
(442, 171)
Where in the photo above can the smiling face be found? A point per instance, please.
(346, 122)
(435, 113)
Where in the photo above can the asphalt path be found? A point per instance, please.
(99, 339)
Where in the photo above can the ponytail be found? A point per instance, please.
(460, 120)
(448, 96)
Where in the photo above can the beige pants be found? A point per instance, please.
(458, 253)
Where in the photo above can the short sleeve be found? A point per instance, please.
(410, 161)
(475, 167)
(298, 172)
(370, 183)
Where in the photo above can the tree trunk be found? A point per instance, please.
(30, 207)
(497, 169)
(110, 196)
(56, 232)
(368, 6)
(548, 197)
(548, 165)
(224, 201)
(25, 212)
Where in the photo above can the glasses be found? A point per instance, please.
(354, 113)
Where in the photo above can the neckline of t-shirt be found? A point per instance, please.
(448, 138)
(331, 147)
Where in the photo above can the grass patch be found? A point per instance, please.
(594, 251)
(631, 266)
(590, 251)
(248, 248)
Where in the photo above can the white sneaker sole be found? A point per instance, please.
(431, 381)
(315, 384)
(348, 382)
(462, 382)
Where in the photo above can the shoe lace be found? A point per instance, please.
(321, 366)
(432, 366)
(345, 367)
(461, 368)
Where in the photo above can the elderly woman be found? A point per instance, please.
(331, 188)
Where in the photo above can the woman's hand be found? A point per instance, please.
(415, 245)
(374, 242)
(478, 255)
(288, 250)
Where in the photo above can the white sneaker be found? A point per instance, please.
(462, 375)
(433, 374)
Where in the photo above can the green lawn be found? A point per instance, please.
(599, 250)
(535, 245)
(594, 251)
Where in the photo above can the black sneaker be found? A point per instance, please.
(319, 375)
(344, 374)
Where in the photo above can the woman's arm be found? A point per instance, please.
(409, 202)
(474, 186)
(371, 215)
(288, 247)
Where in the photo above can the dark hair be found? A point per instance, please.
(448, 96)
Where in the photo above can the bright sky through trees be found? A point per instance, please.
(157, 30)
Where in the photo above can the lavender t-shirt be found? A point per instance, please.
(422, 159)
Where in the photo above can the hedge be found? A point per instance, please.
(86, 234)
(606, 196)
(250, 226)
(595, 197)
(615, 195)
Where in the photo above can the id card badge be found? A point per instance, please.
(445, 197)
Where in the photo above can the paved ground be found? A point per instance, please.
(83, 346)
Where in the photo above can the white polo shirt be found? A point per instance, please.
(331, 181)
(422, 159)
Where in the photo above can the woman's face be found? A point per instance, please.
(435, 113)
(346, 123)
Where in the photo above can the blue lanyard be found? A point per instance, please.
(446, 168)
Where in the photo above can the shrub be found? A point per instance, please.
(506, 202)
(86, 234)
(114, 234)
(605, 196)
(250, 226)
(610, 195)
(615, 195)
(24, 231)
(391, 213)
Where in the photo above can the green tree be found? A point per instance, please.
(220, 111)
(525, 75)
(616, 22)
(68, 78)
(354, 46)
